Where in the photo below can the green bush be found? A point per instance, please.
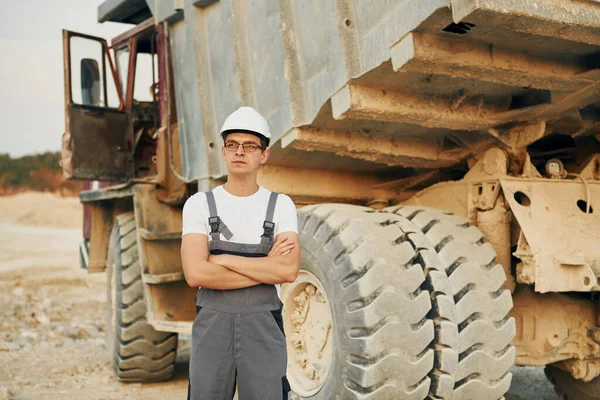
(17, 172)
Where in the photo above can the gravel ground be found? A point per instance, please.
(52, 324)
(530, 383)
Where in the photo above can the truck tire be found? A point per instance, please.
(485, 330)
(391, 317)
(138, 352)
(569, 388)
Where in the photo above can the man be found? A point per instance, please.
(239, 242)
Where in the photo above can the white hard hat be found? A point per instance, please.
(247, 120)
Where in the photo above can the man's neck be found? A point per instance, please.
(241, 186)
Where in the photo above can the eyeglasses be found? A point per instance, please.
(248, 147)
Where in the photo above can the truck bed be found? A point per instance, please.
(387, 87)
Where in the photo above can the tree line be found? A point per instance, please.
(35, 171)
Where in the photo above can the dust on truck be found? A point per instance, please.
(444, 156)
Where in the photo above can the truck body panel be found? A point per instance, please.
(405, 73)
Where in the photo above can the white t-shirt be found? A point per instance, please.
(244, 216)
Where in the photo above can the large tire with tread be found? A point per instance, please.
(393, 318)
(485, 330)
(569, 388)
(139, 353)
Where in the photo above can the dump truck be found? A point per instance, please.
(444, 157)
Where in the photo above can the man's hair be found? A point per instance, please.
(263, 141)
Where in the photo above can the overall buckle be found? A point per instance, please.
(269, 228)
(214, 223)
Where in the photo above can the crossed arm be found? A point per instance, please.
(226, 272)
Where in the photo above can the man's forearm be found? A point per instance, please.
(214, 276)
(270, 270)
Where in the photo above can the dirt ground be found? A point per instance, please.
(41, 209)
(52, 314)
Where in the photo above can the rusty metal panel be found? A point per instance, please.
(101, 216)
(159, 232)
(450, 196)
(306, 186)
(169, 299)
(559, 248)
(97, 143)
(154, 216)
(552, 327)
(162, 257)
(170, 304)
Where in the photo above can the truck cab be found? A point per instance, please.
(112, 105)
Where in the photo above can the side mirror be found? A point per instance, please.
(90, 82)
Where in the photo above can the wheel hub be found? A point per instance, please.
(308, 324)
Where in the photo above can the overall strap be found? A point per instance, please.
(216, 225)
(269, 226)
(212, 205)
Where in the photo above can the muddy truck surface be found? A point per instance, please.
(444, 157)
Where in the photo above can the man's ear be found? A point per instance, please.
(223, 152)
(265, 156)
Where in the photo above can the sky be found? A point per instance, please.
(31, 70)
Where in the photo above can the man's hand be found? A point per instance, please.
(281, 247)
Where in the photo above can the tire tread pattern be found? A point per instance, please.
(482, 306)
(393, 307)
(141, 354)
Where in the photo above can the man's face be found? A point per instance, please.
(241, 160)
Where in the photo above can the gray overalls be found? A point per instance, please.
(238, 332)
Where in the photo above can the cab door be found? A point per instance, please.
(96, 143)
